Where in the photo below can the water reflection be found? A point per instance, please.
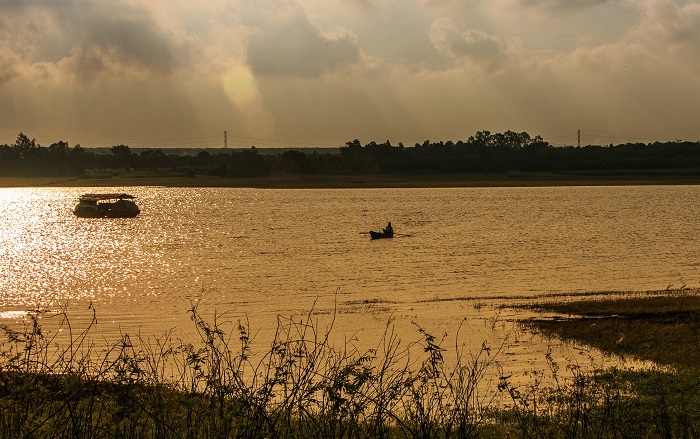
(258, 253)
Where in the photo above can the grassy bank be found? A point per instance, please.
(303, 386)
(511, 179)
(662, 327)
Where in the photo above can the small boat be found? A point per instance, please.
(106, 206)
(380, 235)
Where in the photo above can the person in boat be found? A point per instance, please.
(388, 230)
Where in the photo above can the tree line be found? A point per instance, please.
(484, 152)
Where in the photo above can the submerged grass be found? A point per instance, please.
(304, 386)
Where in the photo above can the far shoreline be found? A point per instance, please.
(508, 179)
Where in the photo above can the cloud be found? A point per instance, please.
(671, 24)
(288, 44)
(94, 37)
(487, 51)
(611, 59)
(561, 4)
(338, 69)
(8, 65)
(300, 50)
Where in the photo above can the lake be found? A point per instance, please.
(254, 254)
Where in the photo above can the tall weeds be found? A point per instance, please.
(301, 386)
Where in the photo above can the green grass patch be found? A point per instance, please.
(664, 329)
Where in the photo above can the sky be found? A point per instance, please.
(294, 73)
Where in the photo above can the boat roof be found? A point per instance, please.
(100, 197)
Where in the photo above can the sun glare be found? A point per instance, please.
(241, 88)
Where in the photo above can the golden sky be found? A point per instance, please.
(158, 73)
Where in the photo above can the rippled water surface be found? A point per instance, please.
(258, 253)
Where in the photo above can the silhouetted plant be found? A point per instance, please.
(304, 386)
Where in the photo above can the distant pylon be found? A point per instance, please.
(225, 139)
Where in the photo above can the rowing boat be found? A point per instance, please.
(379, 235)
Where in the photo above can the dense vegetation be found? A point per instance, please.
(482, 153)
(303, 386)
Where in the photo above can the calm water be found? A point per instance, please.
(258, 253)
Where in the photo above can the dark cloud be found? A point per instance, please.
(297, 48)
(98, 36)
(130, 36)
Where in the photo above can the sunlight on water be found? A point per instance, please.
(13, 315)
(253, 254)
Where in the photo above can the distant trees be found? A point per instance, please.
(27, 158)
(122, 157)
(482, 152)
